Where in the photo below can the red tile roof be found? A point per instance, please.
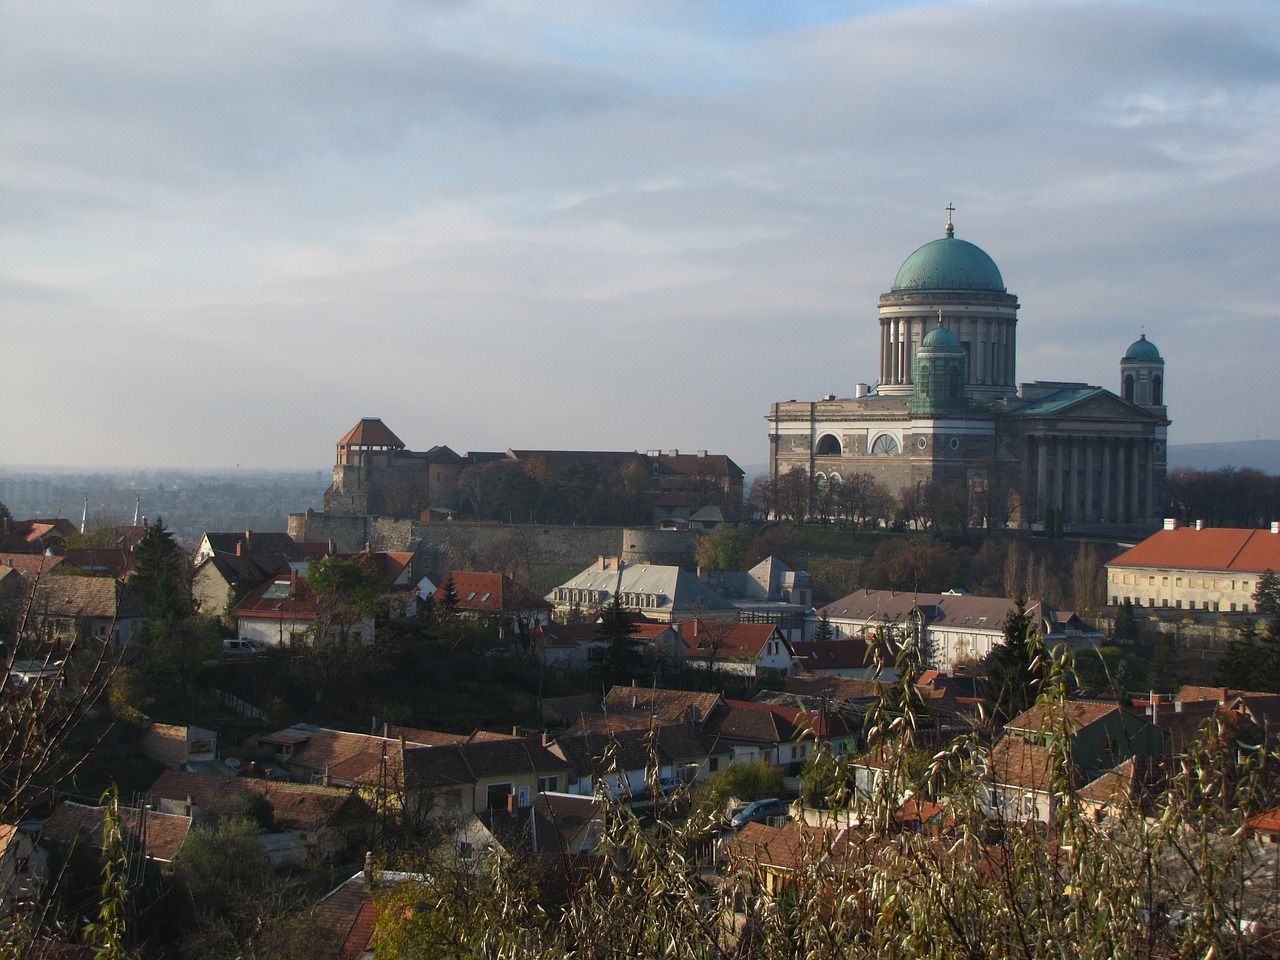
(371, 432)
(1049, 718)
(491, 593)
(733, 639)
(1213, 548)
(163, 833)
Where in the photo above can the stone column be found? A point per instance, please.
(1042, 474)
(1135, 479)
(1104, 450)
(1151, 479)
(1073, 508)
(1090, 515)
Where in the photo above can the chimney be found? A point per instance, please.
(1275, 526)
(239, 548)
(293, 583)
(188, 805)
(1199, 524)
(604, 565)
(1171, 523)
(547, 739)
(1155, 709)
(368, 869)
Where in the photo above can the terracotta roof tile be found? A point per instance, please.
(491, 593)
(371, 432)
(1212, 548)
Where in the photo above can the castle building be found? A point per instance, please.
(947, 410)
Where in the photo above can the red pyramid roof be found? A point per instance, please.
(371, 432)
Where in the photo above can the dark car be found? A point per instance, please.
(758, 811)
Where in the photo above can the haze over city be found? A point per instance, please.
(231, 231)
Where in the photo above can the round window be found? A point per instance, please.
(1157, 447)
(955, 443)
(922, 442)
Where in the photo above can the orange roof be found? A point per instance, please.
(370, 432)
(1049, 717)
(491, 593)
(1213, 548)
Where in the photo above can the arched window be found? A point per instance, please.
(1128, 387)
(886, 444)
(828, 446)
(1157, 390)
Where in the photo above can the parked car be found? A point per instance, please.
(758, 811)
(239, 646)
(669, 785)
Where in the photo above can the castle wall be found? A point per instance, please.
(460, 543)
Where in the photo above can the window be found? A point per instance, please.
(548, 784)
(713, 764)
(828, 446)
(1029, 805)
(993, 798)
(485, 598)
(471, 596)
(885, 444)
(524, 796)
(465, 851)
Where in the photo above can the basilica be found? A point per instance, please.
(947, 410)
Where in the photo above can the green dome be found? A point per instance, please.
(941, 340)
(948, 264)
(1142, 349)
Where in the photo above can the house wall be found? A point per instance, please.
(1165, 587)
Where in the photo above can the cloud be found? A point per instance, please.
(607, 224)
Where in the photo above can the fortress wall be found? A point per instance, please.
(461, 543)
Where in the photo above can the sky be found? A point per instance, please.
(231, 229)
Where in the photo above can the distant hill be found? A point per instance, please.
(1262, 455)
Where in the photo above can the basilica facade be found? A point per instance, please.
(947, 410)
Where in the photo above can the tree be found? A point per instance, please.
(1125, 628)
(722, 549)
(1266, 595)
(161, 575)
(791, 495)
(824, 632)
(347, 593)
(622, 657)
(1013, 675)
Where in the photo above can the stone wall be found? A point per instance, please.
(462, 544)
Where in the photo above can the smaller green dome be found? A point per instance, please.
(941, 340)
(1142, 349)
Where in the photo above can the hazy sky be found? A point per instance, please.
(231, 229)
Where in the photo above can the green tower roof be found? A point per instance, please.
(1142, 349)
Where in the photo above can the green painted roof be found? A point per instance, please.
(1142, 349)
(941, 340)
(948, 264)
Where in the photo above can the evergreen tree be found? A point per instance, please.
(1125, 628)
(824, 631)
(1266, 595)
(622, 660)
(1013, 679)
(161, 576)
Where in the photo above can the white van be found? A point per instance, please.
(239, 646)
